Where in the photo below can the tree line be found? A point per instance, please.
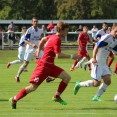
(58, 9)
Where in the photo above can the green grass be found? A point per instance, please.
(39, 103)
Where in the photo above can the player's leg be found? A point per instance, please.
(21, 69)
(89, 65)
(115, 69)
(79, 64)
(36, 79)
(21, 94)
(86, 63)
(111, 55)
(105, 84)
(95, 74)
(65, 77)
(75, 62)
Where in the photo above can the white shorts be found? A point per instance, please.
(29, 55)
(21, 52)
(98, 71)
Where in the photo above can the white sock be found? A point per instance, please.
(102, 89)
(15, 62)
(20, 70)
(82, 60)
(87, 83)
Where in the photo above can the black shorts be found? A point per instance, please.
(0, 42)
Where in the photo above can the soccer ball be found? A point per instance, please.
(115, 98)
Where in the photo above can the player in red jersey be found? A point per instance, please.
(82, 51)
(46, 66)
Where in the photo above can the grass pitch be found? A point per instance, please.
(39, 103)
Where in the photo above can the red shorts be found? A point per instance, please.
(111, 53)
(42, 71)
(83, 54)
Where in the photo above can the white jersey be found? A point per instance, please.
(21, 43)
(100, 33)
(33, 36)
(105, 45)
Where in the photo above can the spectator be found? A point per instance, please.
(44, 31)
(54, 30)
(50, 26)
(12, 28)
(109, 29)
(1, 30)
(94, 30)
(80, 29)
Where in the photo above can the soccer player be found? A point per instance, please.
(31, 38)
(82, 51)
(100, 69)
(46, 66)
(99, 34)
(21, 49)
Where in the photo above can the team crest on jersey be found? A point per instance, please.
(36, 79)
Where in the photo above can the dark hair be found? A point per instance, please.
(61, 26)
(34, 18)
(105, 23)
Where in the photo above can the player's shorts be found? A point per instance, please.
(43, 70)
(21, 52)
(83, 54)
(98, 71)
(111, 53)
(29, 55)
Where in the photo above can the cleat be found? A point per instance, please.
(85, 66)
(17, 79)
(25, 70)
(8, 64)
(48, 79)
(72, 69)
(59, 100)
(76, 88)
(13, 104)
(96, 98)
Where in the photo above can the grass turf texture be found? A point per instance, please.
(40, 104)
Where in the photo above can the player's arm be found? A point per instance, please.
(79, 46)
(95, 50)
(91, 42)
(40, 46)
(62, 55)
(97, 36)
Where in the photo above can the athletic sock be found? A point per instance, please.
(20, 95)
(115, 68)
(16, 62)
(61, 88)
(110, 62)
(87, 83)
(20, 70)
(102, 89)
(74, 64)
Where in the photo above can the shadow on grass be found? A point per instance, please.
(105, 108)
(3, 100)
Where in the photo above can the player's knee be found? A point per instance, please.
(96, 83)
(67, 78)
(108, 82)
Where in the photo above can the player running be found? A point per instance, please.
(82, 51)
(46, 66)
(21, 50)
(31, 38)
(100, 69)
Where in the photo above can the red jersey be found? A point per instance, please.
(50, 26)
(52, 47)
(83, 39)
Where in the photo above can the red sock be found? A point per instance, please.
(110, 62)
(74, 64)
(20, 95)
(89, 66)
(115, 68)
(61, 88)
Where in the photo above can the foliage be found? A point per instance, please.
(58, 9)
